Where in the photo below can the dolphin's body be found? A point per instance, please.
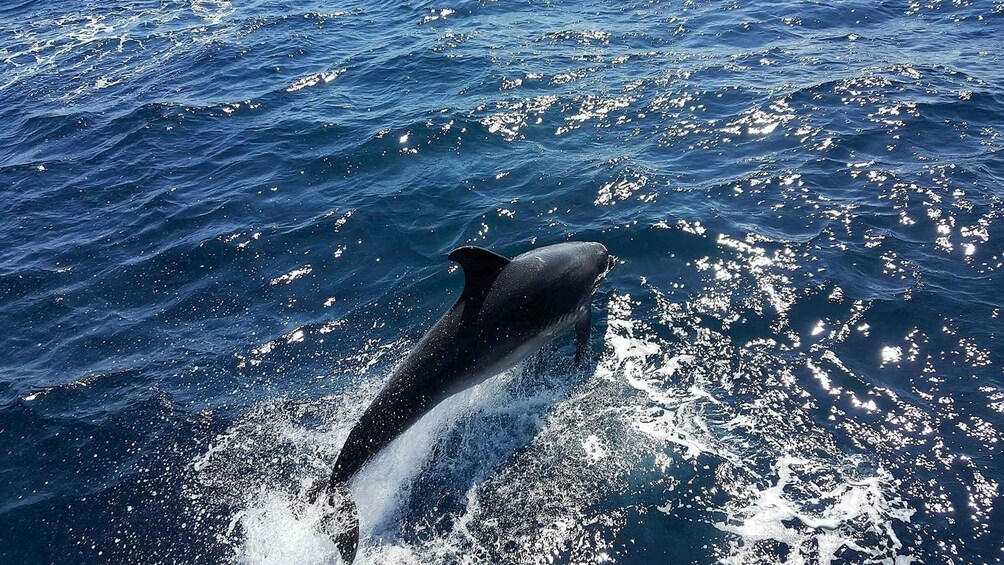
(508, 310)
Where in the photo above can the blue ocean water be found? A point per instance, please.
(223, 223)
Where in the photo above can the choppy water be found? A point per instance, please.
(223, 223)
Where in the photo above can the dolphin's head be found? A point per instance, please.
(553, 282)
(594, 259)
(573, 269)
(550, 288)
(535, 295)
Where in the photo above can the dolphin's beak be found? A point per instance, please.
(611, 261)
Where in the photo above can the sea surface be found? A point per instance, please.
(223, 223)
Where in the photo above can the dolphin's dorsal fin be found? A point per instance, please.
(480, 267)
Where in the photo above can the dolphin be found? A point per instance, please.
(508, 310)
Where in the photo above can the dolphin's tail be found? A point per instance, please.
(346, 540)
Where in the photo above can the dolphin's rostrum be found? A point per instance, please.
(508, 310)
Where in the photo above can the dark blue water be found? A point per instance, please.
(222, 224)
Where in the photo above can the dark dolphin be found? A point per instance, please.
(508, 310)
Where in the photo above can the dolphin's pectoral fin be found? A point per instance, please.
(582, 329)
(480, 267)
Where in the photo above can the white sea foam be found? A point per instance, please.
(212, 11)
(276, 532)
(315, 79)
(292, 275)
(820, 519)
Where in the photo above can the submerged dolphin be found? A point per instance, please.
(508, 310)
